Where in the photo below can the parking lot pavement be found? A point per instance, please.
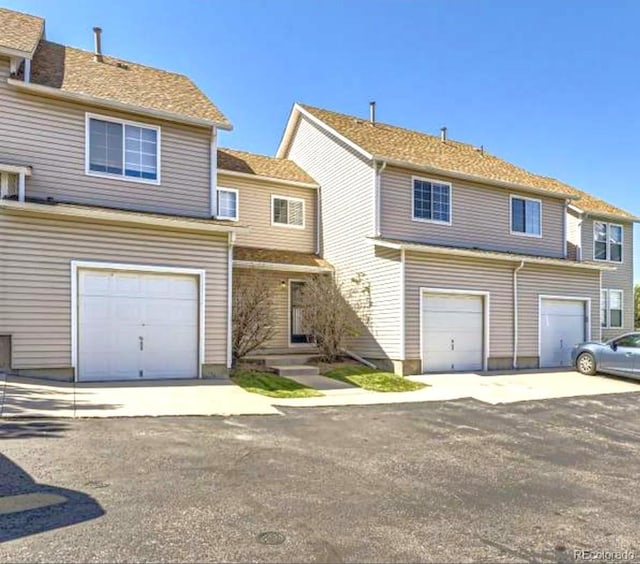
(441, 481)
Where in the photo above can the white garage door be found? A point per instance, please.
(134, 326)
(562, 325)
(452, 332)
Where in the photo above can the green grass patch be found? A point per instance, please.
(272, 385)
(374, 380)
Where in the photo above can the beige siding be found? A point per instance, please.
(254, 206)
(346, 201)
(619, 279)
(480, 217)
(431, 271)
(279, 302)
(35, 282)
(535, 281)
(50, 135)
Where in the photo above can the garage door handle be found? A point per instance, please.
(453, 345)
(141, 343)
(561, 343)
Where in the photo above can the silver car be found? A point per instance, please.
(619, 356)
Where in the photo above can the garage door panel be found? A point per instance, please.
(137, 325)
(562, 326)
(452, 332)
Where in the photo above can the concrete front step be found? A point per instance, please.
(296, 370)
(288, 360)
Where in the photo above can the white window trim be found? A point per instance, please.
(608, 259)
(413, 201)
(607, 292)
(123, 122)
(520, 233)
(235, 191)
(289, 199)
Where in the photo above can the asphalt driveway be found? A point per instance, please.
(442, 481)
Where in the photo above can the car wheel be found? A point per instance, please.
(586, 364)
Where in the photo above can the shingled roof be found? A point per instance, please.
(413, 148)
(75, 71)
(20, 32)
(261, 165)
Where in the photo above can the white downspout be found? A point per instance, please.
(515, 313)
(27, 71)
(377, 173)
(21, 187)
(232, 240)
(579, 248)
(213, 190)
(565, 229)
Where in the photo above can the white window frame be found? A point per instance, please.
(123, 122)
(413, 201)
(608, 257)
(607, 302)
(235, 191)
(521, 233)
(289, 199)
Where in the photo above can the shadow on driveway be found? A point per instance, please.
(28, 508)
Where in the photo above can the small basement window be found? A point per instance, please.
(119, 148)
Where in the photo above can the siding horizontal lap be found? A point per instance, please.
(480, 217)
(347, 204)
(49, 134)
(35, 285)
(254, 206)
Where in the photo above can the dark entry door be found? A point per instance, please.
(298, 333)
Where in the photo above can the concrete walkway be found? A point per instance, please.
(37, 398)
(492, 389)
(322, 383)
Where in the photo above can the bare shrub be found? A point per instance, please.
(252, 316)
(333, 310)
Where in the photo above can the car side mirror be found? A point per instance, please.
(614, 346)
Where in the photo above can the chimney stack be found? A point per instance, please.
(97, 54)
(372, 112)
(443, 134)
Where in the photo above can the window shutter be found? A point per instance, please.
(296, 213)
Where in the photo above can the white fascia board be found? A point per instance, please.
(482, 255)
(273, 180)
(280, 266)
(114, 216)
(115, 105)
(611, 217)
(298, 110)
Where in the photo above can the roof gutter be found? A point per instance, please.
(495, 255)
(114, 216)
(115, 105)
(281, 266)
(475, 178)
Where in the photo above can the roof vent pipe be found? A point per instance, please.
(372, 112)
(97, 53)
(443, 134)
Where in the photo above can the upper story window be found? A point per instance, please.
(227, 203)
(607, 241)
(611, 308)
(287, 211)
(526, 216)
(120, 148)
(431, 201)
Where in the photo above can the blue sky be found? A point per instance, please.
(551, 86)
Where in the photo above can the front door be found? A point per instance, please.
(297, 333)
